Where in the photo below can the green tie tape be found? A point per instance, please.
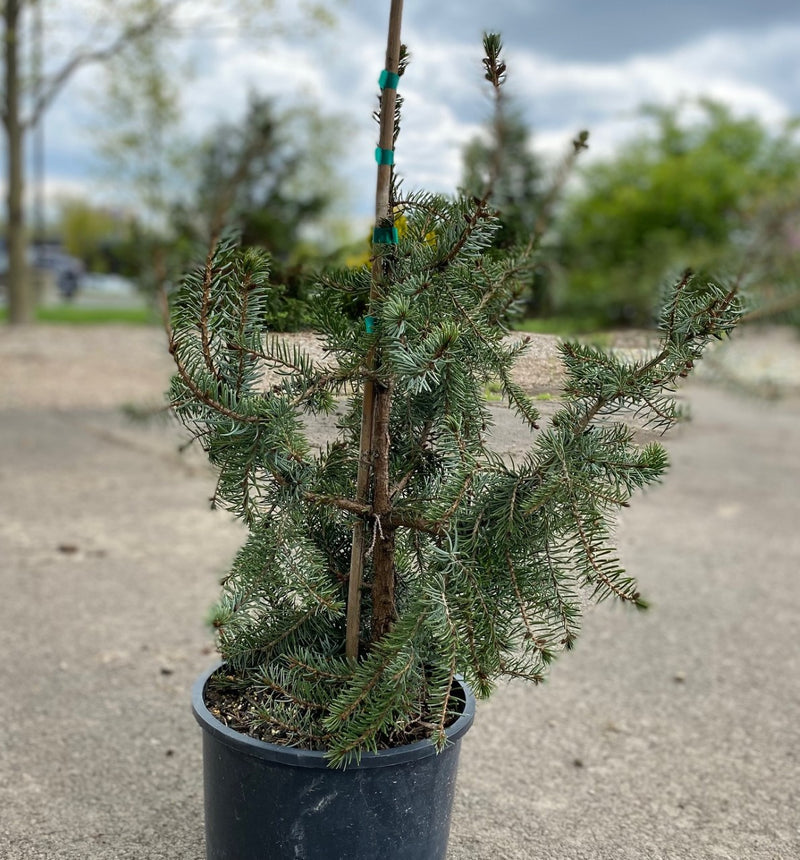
(388, 80)
(385, 235)
(384, 156)
(369, 324)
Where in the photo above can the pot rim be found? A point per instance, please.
(316, 758)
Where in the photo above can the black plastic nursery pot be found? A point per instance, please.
(270, 802)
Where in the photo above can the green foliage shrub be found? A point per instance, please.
(694, 193)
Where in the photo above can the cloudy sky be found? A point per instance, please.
(573, 64)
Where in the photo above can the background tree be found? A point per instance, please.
(502, 158)
(502, 164)
(770, 255)
(505, 158)
(110, 28)
(270, 177)
(267, 175)
(121, 30)
(696, 192)
(100, 237)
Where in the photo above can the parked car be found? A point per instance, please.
(68, 272)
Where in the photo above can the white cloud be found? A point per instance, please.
(756, 73)
(735, 69)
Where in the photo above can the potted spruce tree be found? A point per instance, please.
(387, 576)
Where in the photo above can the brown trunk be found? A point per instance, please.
(357, 550)
(21, 304)
(383, 573)
(383, 555)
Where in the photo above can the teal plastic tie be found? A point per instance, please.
(388, 80)
(384, 156)
(369, 324)
(384, 235)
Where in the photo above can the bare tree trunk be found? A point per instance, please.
(21, 301)
(383, 557)
(377, 401)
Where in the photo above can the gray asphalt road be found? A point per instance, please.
(670, 734)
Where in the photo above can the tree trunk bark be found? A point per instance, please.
(383, 556)
(21, 303)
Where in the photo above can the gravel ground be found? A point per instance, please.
(76, 367)
(73, 367)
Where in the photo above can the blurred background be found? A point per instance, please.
(129, 124)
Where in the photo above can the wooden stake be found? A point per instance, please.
(382, 214)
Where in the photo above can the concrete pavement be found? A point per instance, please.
(669, 734)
